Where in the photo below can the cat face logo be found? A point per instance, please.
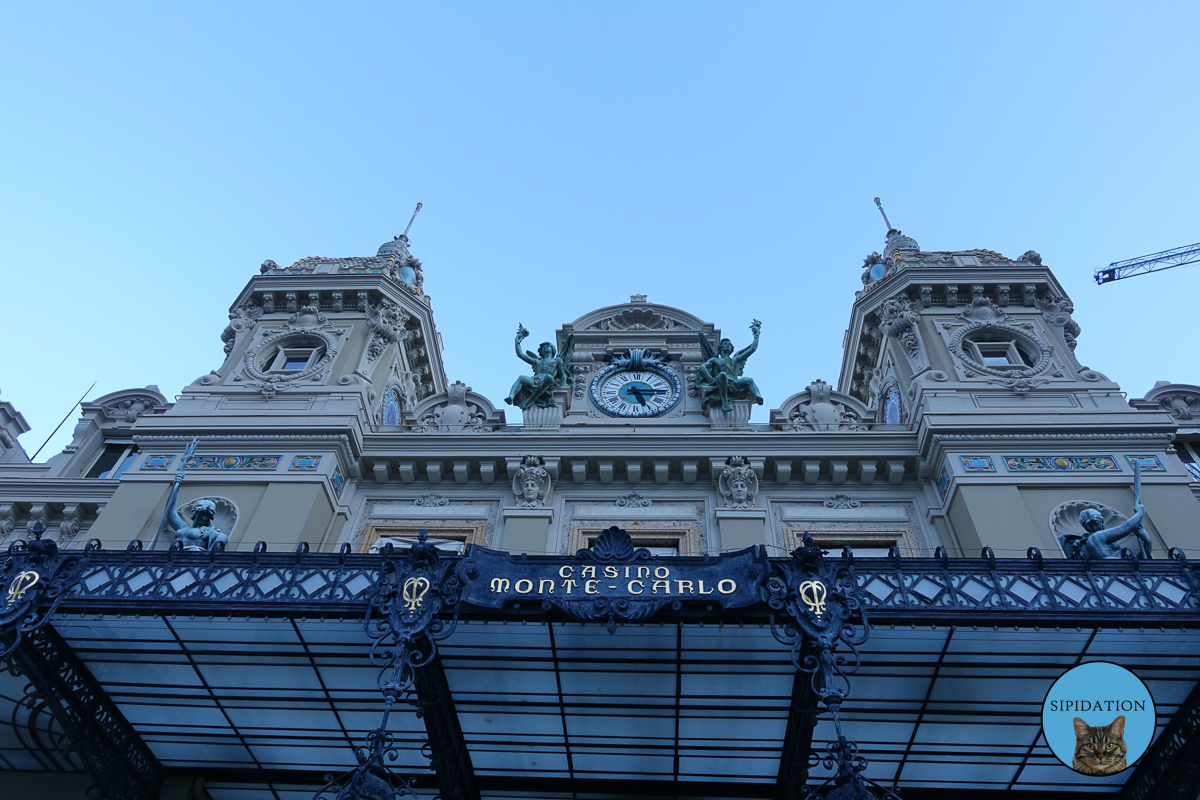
(414, 592)
(1105, 693)
(1099, 749)
(812, 594)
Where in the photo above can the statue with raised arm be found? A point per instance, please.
(720, 376)
(1101, 542)
(551, 371)
(200, 533)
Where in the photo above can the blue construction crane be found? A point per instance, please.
(1151, 263)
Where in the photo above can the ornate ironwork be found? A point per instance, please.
(811, 599)
(1170, 769)
(403, 621)
(987, 590)
(100, 739)
(33, 582)
(815, 608)
(1069, 590)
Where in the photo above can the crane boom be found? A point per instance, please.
(1154, 262)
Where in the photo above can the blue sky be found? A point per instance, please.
(718, 157)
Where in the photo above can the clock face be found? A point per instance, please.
(623, 392)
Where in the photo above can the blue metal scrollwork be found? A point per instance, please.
(34, 580)
(816, 607)
(404, 620)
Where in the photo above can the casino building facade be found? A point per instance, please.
(635, 592)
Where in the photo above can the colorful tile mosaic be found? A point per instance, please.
(977, 463)
(1062, 463)
(339, 482)
(232, 462)
(305, 462)
(158, 461)
(943, 484)
(1148, 463)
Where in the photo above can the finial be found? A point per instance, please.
(885, 219)
(416, 211)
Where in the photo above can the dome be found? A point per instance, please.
(898, 241)
(397, 246)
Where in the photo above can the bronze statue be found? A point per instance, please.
(551, 371)
(720, 376)
(1100, 542)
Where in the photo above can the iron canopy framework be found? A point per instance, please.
(252, 670)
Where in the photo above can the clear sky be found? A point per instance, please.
(719, 157)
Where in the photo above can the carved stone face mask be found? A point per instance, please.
(739, 489)
(529, 488)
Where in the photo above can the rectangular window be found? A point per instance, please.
(292, 359)
(113, 460)
(996, 354)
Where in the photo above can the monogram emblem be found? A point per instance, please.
(414, 592)
(812, 593)
(22, 583)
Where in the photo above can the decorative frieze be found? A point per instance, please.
(1061, 464)
(231, 462)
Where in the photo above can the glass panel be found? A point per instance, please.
(391, 408)
(116, 473)
(891, 408)
(112, 452)
(295, 362)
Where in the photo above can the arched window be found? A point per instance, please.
(391, 408)
(891, 407)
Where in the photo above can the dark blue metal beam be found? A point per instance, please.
(1170, 769)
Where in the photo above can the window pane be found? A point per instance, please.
(101, 468)
(116, 473)
(295, 362)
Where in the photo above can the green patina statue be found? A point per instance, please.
(551, 371)
(720, 376)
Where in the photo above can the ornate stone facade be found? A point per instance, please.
(329, 398)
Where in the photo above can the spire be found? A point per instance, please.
(399, 244)
(890, 229)
(896, 240)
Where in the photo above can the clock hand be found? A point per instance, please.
(638, 394)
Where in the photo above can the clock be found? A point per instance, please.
(636, 387)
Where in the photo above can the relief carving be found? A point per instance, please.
(898, 318)
(531, 483)
(738, 484)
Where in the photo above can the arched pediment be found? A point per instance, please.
(1180, 400)
(459, 409)
(821, 408)
(639, 316)
(126, 405)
